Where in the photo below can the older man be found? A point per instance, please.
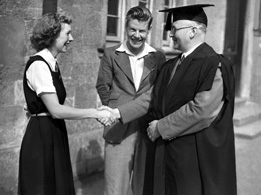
(193, 103)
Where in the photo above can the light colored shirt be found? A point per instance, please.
(185, 54)
(136, 62)
(38, 75)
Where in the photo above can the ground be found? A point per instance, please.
(248, 159)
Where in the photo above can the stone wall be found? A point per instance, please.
(79, 68)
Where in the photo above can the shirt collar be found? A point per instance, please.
(185, 54)
(47, 55)
(147, 49)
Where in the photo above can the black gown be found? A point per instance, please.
(202, 162)
(45, 166)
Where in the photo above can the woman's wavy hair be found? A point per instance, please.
(47, 30)
(139, 13)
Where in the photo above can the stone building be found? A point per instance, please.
(234, 29)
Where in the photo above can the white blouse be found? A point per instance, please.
(38, 75)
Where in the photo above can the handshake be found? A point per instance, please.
(107, 116)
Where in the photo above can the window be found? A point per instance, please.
(165, 34)
(113, 18)
(49, 6)
(147, 4)
(114, 21)
(167, 43)
(257, 23)
(144, 3)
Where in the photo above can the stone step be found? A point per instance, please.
(246, 112)
(249, 131)
(240, 101)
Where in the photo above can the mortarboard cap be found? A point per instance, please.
(189, 12)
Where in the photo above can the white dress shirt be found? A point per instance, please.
(136, 62)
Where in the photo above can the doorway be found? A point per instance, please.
(234, 35)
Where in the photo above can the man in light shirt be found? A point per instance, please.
(191, 120)
(126, 75)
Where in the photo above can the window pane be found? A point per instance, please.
(165, 17)
(259, 22)
(142, 4)
(112, 26)
(165, 34)
(113, 7)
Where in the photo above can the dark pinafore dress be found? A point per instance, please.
(45, 166)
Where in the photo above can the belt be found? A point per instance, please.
(42, 114)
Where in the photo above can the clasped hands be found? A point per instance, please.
(107, 116)
(152, 130)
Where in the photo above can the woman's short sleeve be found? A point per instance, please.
(39, 78)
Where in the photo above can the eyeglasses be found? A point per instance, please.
(174, 29)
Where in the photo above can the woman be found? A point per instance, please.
(45, 166)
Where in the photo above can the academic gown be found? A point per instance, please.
(212, 157)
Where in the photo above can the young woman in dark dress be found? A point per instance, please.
(45, 166)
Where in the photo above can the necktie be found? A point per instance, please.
(179, 61)
(176, 67)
